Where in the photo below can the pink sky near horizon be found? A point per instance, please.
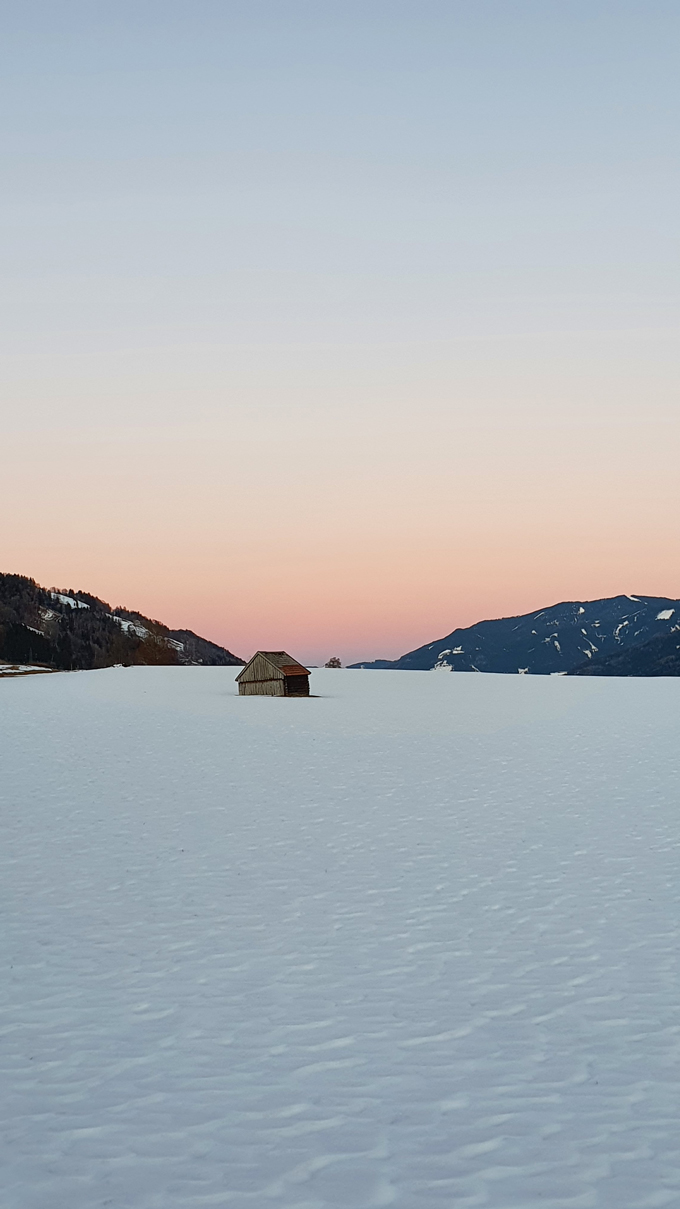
(336, 327)
(380, 618)
(351, 531)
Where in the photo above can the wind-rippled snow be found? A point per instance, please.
(412, 942)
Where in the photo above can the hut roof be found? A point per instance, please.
(282, 661)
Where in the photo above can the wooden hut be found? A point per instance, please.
(273, 674)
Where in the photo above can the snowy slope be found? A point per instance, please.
(555, 639)
(412, 942)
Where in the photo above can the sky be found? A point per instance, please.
(331, 326)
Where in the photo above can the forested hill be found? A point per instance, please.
(74, 630)
(556, 639)
(660, 656)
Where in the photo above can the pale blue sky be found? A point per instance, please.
(337, 171)
(427, 235)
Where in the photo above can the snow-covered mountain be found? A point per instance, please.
(557, 639)
(67, 629)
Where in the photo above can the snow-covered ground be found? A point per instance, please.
(413, 942)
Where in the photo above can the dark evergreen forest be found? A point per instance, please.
(68, 630)
(658, 657)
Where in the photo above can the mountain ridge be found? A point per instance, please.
(558, 638)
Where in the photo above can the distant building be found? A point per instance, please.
(273, 674)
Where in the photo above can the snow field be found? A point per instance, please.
(412, 942)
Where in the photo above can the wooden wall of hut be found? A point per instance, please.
(263, 688)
